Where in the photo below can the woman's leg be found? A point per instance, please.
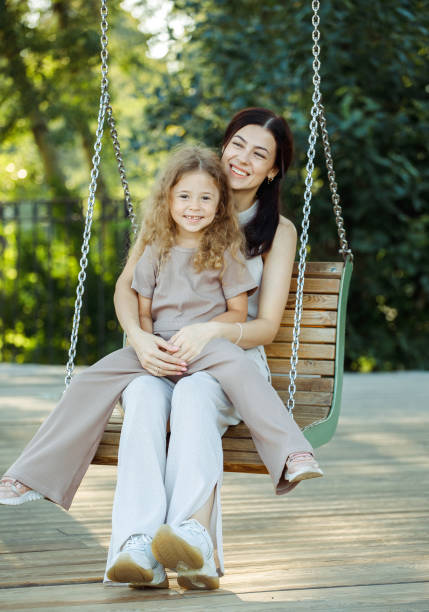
(56, 459)
(140, 502)
(200, 415)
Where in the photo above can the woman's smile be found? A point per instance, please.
(238, 171)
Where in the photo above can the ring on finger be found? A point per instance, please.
(157, 371)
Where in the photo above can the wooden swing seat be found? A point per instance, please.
(320, 369)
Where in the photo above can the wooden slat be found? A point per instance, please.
(238, 431)
(318, 285)
(317, 318)
(307, 334)
(305, 366)
(315, 301)
(238, 444)
(316, 383)
(244, 462)
(106, 455)
(306, 351)
(243, 458)
(329, 269)
(309, 398)
(304, 415)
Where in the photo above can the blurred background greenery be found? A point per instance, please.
(179, 71)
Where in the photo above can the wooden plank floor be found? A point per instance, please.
(357, 539)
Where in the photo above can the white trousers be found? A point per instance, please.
(154, 487)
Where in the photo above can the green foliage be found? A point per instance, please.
(39, 259)
(235, 54)
(374, 85)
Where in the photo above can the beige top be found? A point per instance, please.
(180, 295)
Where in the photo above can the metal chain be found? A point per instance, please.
(104, 99)
(307, 206)
(104, 109)
(121, 168)
(344, 247)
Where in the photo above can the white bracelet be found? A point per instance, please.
(241, 332)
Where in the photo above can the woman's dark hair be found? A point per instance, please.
(259, 232)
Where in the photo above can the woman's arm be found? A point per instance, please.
(125, 300)
(145, 314)
(276, 277)
(151, 350)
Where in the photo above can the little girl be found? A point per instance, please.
(190, 271)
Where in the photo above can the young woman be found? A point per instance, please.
(257, 151)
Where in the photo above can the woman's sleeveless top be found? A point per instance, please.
(255, 265)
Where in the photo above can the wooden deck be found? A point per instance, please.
(357, 539)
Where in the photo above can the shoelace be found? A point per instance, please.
(300, 457)
(137, 542)
(196, 528)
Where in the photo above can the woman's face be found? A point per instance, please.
(249, 157)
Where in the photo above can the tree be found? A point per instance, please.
(374, 85)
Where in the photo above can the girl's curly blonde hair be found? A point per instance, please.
(159, 228)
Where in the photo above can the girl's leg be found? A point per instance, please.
(56, 459)
(140, 503)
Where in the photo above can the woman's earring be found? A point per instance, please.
(270, 179)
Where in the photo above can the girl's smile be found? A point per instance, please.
(193, 203)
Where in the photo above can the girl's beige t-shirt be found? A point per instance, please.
(180, 295)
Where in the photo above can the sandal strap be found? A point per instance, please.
(12, 484)
(300, 457)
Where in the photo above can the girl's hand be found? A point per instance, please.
(157, 356)
(191, 340)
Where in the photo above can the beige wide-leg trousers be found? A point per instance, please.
(56, 459)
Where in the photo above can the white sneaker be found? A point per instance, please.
(14, 493)
(188, 549)
(135, 564)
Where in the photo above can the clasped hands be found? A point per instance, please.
(163, 358)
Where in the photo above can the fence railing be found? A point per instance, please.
(40, 244)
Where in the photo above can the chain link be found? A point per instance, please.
(344, 247)
(307, 207)
(91, 198)
(121, 168)
(104, 109)
(317, 117)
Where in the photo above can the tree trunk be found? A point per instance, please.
(30, 103)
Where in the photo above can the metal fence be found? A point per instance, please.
(40, 244)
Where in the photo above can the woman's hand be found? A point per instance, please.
(191, 339)
(157, 355)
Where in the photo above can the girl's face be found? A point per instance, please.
(193, 203)
(249, 157)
